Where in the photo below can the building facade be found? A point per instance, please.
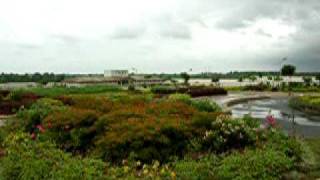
(116, 73)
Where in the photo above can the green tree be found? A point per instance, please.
(215, 80)
(307, 80)
(318, 78)
(288, 70)
(186, 77)
(253, 78)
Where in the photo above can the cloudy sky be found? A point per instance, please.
(88, 36)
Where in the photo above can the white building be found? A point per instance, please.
(116, 73)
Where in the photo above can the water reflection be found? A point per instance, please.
(279, 108)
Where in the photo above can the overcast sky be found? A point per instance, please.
(88, 36)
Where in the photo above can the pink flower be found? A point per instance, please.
(33, 136)
(41, 128)
(271, 121)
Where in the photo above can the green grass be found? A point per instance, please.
(58, 91)
(313, 147)
(307, 104)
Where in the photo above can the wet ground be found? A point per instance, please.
(277, 106)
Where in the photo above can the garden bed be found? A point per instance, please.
(137, 136)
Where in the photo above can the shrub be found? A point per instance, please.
(254, 164)
(37, 113)
(198, 91)
(138, 170)
(185, 98)
(259, 87)
(27, 159)
(166, 90)
(97, 103)
(70, 128)
(196, 169)
(227, 133)
(149, 139)
(16, 95)
(206, 106)
(203, 121)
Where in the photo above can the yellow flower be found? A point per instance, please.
(126, 169)
(173, 174)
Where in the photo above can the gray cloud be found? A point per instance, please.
(63, 38)
(128, 33)
(262, 33)
(170, 36)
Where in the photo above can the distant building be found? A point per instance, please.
(114, 77)
(116, 73)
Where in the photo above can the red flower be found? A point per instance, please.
(271, 120)
(41, 128)
(33, 136)
(49, 125)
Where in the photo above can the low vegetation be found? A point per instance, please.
(194, 91)
(308, 104)
(139, 135)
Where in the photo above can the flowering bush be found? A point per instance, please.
(227, 133)
(34, 115)
(270, 121)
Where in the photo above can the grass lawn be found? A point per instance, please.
(313, 145)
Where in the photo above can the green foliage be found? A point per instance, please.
(252, 78)
(185, 98)
(258, 87)
(215, 79)
(288, 70)
(318, 78)
(185, 76)
(227, 133)
(194, 138)
(37, 112)
(307, 80)
(193, 91)
(164, 90)
(36, 77)
(59, 91)
(206, 105)
(197, 169)
(254, 164)
(28, 159)
(16, 95)
(308, 104)
(138, 170)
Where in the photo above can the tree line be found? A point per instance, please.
(36, 77)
